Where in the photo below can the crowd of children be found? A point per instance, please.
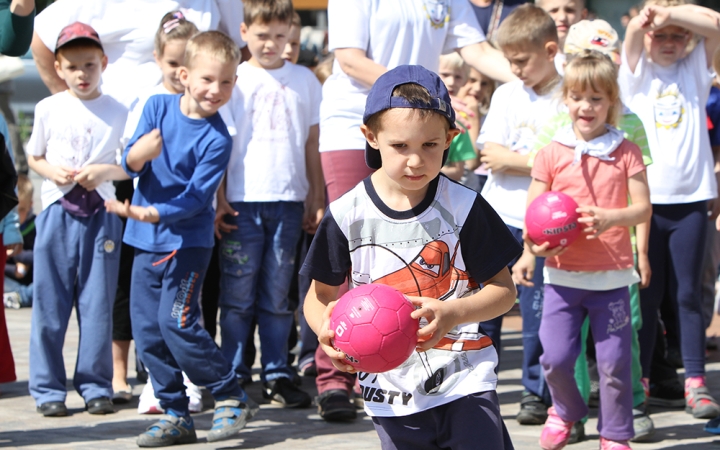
(387, 149)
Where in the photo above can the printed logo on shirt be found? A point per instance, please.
(522, 138)
(619, 319)
(438, 12)
(668, 107)
(105, 247)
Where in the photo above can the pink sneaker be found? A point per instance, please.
(698, 400)
(556, 432)
(607, 444)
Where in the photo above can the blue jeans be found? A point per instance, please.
(256, 264)
(25, 291)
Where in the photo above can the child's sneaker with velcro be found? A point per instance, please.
(698, 400)
(231, 416)
(169, 430)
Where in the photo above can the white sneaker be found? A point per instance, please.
(12, 300)
(194, 395)
(148, 403)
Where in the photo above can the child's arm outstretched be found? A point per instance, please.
(702, 21)
(598, 220)
(495, 298)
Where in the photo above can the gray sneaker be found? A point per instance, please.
(231, 416)
(169, 430)
(12, 300)
(643, 424)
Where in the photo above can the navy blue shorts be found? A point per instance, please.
(470, 423)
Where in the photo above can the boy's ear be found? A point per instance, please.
(243, 31)
(183, 75)
(370, 136)
(551, 48)
(104, 62)
(450, 136)
(58, 71)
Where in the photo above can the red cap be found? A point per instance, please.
(77, 30)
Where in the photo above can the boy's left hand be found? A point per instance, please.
(13, 249)
(439, 317)
(598, 220)
(90, 177)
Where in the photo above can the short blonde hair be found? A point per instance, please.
(455, 62)
(296, 21)
(266, 11)
(528, 26)
(212, 43)
(591, 69)
(325, 68)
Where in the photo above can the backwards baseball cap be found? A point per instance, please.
(380, 98)
(593, 35)
(75, 31)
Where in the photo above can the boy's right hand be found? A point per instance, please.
(223, 209)
(325, 339)
(62, 175)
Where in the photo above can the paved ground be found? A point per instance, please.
(274, 427)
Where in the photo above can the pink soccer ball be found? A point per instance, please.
(552, 218)
(373, 327)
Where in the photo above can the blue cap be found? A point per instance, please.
(380, 98)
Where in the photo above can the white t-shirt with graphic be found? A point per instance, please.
(392, 33)
(442, 249)
(516, 116)
(671, 101)
(76, 133)
(127, 31)
(273, 112)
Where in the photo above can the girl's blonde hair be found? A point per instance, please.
(173, 25)
(591, 69)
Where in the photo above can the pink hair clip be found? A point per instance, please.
(174, 22)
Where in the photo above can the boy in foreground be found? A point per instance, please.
(180, 150)
(407, 221)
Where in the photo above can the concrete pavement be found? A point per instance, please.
(274, 427)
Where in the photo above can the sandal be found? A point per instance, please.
(169, 430)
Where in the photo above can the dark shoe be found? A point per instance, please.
(244, 382)
(335, 406)
(667, 394)
(284, 391)
(309, 369)
(100, 405)
(642, 423)
(674, 357)
(532, 410)
(122, 396)
(169, 430)
(53, 409)
(577, 433)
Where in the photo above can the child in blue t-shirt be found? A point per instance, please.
(179, 151)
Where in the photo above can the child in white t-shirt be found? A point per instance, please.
(668, 88)
(75, 146)
(273, 190)
(518, 111)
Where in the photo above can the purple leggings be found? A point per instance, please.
(563, 314)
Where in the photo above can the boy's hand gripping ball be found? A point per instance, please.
(552, 218)
(373, 327)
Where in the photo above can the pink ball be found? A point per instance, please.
(551, 217)
(373, 327)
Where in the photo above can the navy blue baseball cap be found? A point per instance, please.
(380, 98)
